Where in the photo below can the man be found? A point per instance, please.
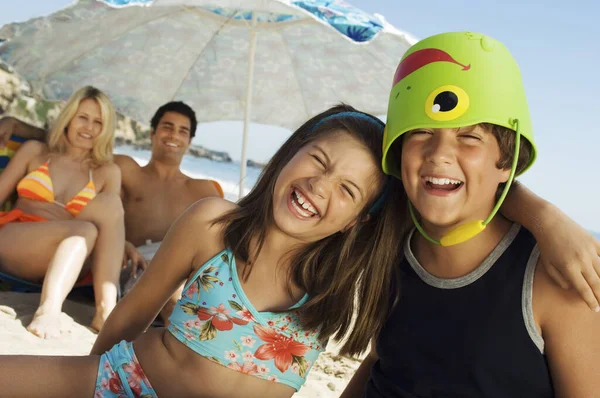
(153, 195)
(156, 194)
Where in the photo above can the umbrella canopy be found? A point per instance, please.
(276, 62)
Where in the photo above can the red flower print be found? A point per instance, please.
(135, 377)
(248, 357)
(231, 355)
(278, 347)
(248, 368)
(245, 314)
(114, 385)
(193, 289)
(219, 317)
(262, 369)
(247, 341)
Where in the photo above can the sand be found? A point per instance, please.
(329, 375)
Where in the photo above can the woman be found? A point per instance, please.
(68, 208)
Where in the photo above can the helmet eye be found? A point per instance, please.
(446, 103)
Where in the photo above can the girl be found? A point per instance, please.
(68, 205)
(314, 223)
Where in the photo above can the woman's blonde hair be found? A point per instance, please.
(102, 151)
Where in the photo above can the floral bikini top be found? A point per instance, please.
(214, 318)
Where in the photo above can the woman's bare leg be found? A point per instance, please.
(27, 248)
(60, 278)
(59, 272)
(106, 212)
(25, 376)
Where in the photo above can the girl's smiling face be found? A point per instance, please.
(325, 187)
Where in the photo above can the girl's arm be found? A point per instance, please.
(571, 338)
(17, 168)
(569, 253)
(187, 244)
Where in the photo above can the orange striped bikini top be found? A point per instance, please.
(37, 185)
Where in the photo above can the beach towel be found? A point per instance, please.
(6, 154)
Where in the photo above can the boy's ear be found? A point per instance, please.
(504, 175)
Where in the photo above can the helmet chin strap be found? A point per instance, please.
(466, 231)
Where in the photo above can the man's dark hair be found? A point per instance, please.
(179, 107)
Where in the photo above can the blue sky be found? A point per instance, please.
(557, 45)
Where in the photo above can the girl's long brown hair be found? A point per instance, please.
(348, 276)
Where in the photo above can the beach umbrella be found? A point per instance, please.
(276, 62)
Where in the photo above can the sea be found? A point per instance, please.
(225, 173)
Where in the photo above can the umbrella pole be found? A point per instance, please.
(243, 160)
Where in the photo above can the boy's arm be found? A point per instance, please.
(571, 338)
(12, 126)
(358, 382)
(569, 253)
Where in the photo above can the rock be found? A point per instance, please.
(252, 163)
(201, 152)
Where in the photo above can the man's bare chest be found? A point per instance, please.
(159, 198)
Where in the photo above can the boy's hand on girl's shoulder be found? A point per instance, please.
(571, 256)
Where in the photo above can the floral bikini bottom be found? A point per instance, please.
(121, 376)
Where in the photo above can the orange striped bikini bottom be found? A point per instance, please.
(17, 215)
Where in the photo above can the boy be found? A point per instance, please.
(476, 316)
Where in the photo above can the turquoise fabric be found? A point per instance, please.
(120, 375)
(215, 319)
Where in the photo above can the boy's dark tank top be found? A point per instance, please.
(472, 336)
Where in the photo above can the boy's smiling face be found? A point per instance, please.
(450, 175)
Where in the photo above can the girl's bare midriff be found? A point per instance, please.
(174, 370)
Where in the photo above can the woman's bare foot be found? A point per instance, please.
(45, 324)
(99, 318)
